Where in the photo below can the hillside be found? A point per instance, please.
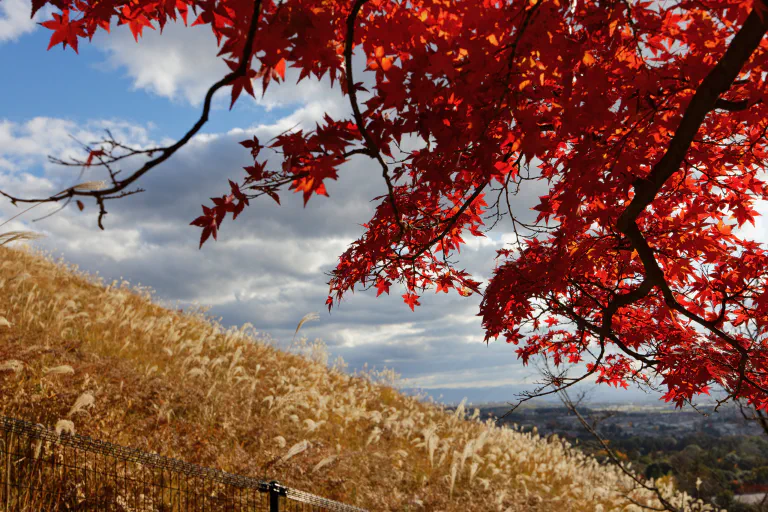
(181, 385)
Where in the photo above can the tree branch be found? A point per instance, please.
(731, 106)
(374, 151)
(450, 223)
(568, 403)
(120, 185)
(717, 82)
(705, 99)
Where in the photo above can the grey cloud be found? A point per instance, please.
(268, 267)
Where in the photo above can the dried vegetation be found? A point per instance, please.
(105, 361)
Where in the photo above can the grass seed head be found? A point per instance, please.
(90, 185)
(11, 365)
(64, 369)
(296, 449)
(65, 426)
(83, 402)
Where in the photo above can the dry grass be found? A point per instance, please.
(106, 361)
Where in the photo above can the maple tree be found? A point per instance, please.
(647, 120)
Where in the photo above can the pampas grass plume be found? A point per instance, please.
(65, 426)
(306, 318)
(90, 185)
(296, 449)
(83, 401)
(324, 462)
(19, 236)
(60, 370)
(11, 365)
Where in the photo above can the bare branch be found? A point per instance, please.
(120, 185)
(568, 403)
(373, 149)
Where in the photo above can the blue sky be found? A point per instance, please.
(62, 84)
(269, 267)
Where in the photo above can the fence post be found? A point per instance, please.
(275, 491)
(8, 451)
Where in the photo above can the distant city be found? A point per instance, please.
(626, 420)
(717, 456)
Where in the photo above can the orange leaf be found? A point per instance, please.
(280, 68)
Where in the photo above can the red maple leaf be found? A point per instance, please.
(241, 82)
(412, 300)
(253, 145)
(92, 154)
(65, 31)
(208, 222)
(644, 177)
(382, 285)
(444, 283)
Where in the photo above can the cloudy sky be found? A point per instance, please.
(268, 268)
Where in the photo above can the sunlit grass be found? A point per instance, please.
(102, 359)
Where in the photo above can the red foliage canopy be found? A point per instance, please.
(647, 120)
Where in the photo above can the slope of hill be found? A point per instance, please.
(125, 370)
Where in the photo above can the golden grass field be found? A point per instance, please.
(123, 369)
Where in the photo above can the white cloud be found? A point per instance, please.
(267, 267)
(376, 335)
(41, 136)
(468, 379)
(181, 64)
(15, 19)
(476, 243)
(7, 165)
(758, 232)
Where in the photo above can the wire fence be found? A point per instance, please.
(41, 470)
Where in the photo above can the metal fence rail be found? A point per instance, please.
(41, 470)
